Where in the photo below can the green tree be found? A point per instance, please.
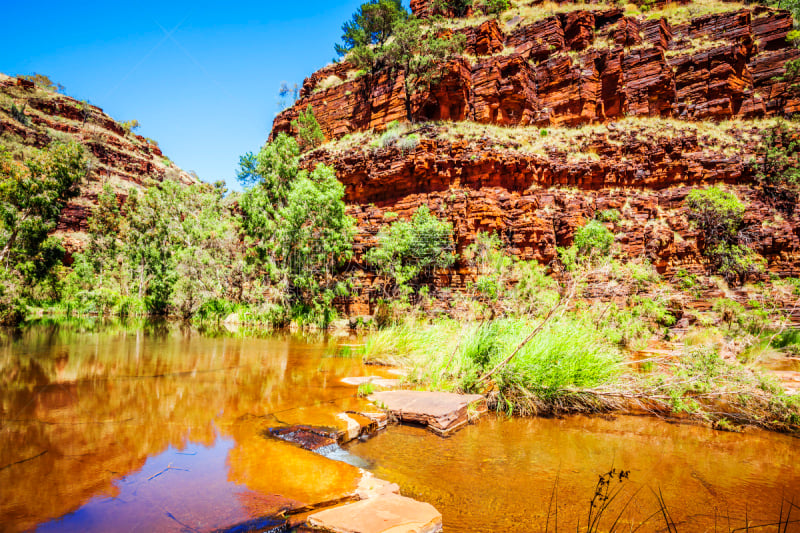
(593, 239)
(457, 8)
(720, 216)
(371, 25)
(408, 252)
(492, 7)
(182, 246)
(778, 152)
(419, 53)
(298, 232)
(32, 195)
(717, 213)
(309, 133)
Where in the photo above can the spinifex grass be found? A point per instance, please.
(545, 375)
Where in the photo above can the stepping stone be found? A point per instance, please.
(388, 513)
(442, 412)
(307, 437)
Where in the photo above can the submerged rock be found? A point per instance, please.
(381, 514)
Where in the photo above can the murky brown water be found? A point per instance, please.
(500, 474)
(161, 429)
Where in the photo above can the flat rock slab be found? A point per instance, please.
(388, 513)
(442, 412)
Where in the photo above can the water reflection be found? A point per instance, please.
(87, 410)
(499, 475)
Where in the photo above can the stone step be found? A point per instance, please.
(441, 412)
(387, 513)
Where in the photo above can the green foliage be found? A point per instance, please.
(408, 252)
(608, 215)
(309, 132)
(297, 229)
(492, 7)
(365, 389)
(418, 52)
(686, 280)
(130, 125)
(167, 251)
(593, 239)
(720, 216)
(738, 319)
(779, 156)
(371, 25)
(44, 82)
(19, 115)
(457, 8)
(506, 284)
(717, 213)
(32, 194)
(483, 345)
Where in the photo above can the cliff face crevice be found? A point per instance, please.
(576, 68)
(121, 159)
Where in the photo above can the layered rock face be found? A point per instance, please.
(578, 67)
(536, 201)
(638, 110)
(121, 159)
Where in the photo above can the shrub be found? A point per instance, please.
(593, 238)
(717, 213)
(309, 132)
(492, 7)
(19, 115)
(44, 82)
(408, 143)
(778, 165)
(720, 216)
(608, 215)
(409, 251)
(130, 125)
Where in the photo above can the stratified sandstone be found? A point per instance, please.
(574, 68)
(534, 192)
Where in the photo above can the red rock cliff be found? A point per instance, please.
(122, 159)
(575, 68)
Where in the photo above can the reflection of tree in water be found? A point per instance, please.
(99, 402)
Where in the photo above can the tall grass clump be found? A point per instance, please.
(547, 375)
(550, 373)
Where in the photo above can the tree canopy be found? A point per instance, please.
(371, 24)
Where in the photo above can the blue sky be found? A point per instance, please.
(201, 78)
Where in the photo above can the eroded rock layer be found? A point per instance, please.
(117, 157)
(575, 68)
(535, 197)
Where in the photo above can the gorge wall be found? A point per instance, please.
(541, 124)
(574, 68)
(117, 157)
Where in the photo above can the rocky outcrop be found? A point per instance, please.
(123, 160)
(535, 197)
(575, 68)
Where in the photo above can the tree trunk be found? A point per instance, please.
(408, 97)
